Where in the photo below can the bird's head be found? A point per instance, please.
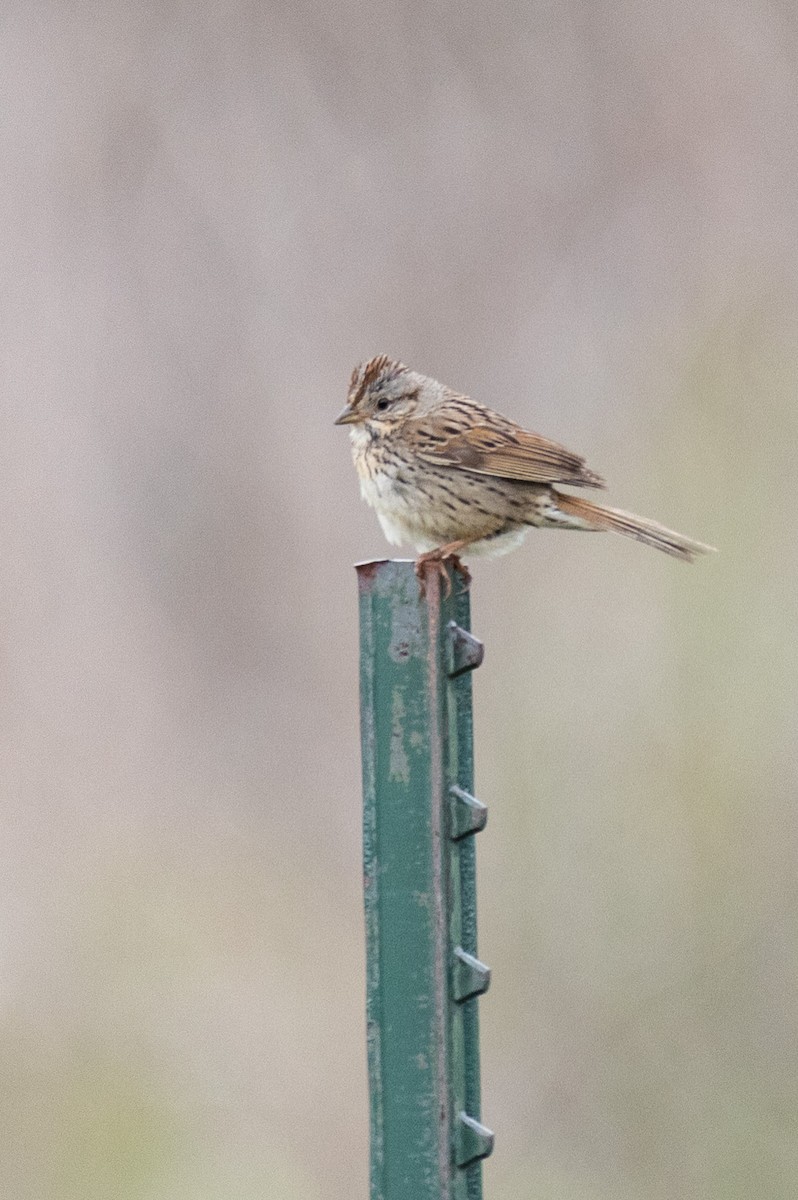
(382, 394)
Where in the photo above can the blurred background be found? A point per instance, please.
(584, 214)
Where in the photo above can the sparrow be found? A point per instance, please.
(445, 474)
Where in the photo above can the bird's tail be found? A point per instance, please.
(597, 517)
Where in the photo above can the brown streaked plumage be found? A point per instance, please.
(445, 473)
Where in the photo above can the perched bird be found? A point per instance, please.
(445, 473)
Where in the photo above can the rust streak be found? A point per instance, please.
(433, 602)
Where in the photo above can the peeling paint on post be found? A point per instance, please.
(419, 818)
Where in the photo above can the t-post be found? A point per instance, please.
(419, 818)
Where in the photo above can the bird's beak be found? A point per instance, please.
(347, 416)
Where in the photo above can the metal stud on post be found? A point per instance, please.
(419, 818)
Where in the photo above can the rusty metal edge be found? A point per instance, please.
(437, 781)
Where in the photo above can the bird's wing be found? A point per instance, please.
(507, 452)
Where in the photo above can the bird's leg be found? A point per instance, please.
(440, 556)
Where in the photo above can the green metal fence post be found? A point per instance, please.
(419, 818)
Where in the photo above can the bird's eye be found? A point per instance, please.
(383, 404)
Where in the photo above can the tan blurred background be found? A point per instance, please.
(583, 213)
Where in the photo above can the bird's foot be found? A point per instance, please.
(439, 558)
